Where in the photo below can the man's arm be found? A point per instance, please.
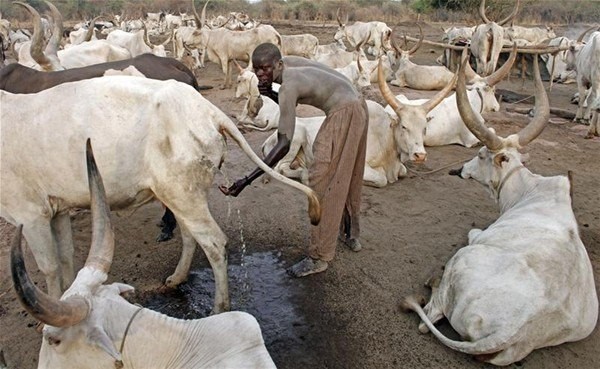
(277, 153)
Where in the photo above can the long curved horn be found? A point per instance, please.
(418, 45)
(37, 39)
(499, 75)
(511, 15)
(203, 15)
(90, 31)
(240, 69)
(473, 121)
(440, 96)
(542, 110)
(196, 17)
(103, 239)
(482, 12)
(57, 31)
(385, 89)
(469, 72)
(145, 37)
(360, 68)
(393, 42)
(42, 307)
(581, 36)
(337, 16)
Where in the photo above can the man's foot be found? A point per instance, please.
(307, 266)
(353, 244)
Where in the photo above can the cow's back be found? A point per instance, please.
(136, 125)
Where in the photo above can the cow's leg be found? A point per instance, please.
(61, 227)
(591, 99)
(582, 97)
(433, 311)
(227, 71)
(203, 228)
(374, 177)
(38, 234)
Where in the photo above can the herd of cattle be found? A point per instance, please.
(132, 94)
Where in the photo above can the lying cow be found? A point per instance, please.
(259, 112)
(154, 140)
(526, 281)
(93, 326)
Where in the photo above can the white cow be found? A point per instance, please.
(154, 140)
(445, 125)
(259, 112)
(334, 56)
(455, 34)
(375, 34)
(93, 326)
(304, 45)
(222, 46)
(585, 60)
(526, 281)
(533, 35)
(356, 73)
(487, 41)
(419, 77)
(556, 64)
(137, 43)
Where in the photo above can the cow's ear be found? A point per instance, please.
(499, 159)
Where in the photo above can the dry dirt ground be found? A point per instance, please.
(347, 317)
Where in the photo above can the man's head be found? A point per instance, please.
(267, 63)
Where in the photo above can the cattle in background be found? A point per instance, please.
(419, 77)
(89, 325)
(335, 56)
(454, 34)
(304, 45)
(138, 43)
(584, 58)
(556, 63)
(222, 46)
(534, 36)
(375, 34)
(154, 140)
(260, 112)
(526, 281)
(487, 41)
(444, 123)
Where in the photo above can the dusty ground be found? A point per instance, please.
(347, 317)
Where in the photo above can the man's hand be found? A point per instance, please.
(235, 188)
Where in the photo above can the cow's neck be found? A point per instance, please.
(512, 187)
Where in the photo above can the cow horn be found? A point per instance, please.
(511, 15)
(482, 12)
(203, 15)
(54, 44)
(499, 75)
(542, 110)
(360, 68)
(238, 65)
(440, 96)
(103, 239)
(145, 37)
(337, 16)
(90, 31)
(393, 42)
(36, 49)
(581, 36)
(385, 89)
(57, 313)
(473, 122)
(469, 72)
(419, 43)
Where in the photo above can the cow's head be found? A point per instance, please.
(502, 22)
(409, 128)
(83, 326)
(340, 34)
(499, 157)
(158, 50)
(574, 49)
(403, 56)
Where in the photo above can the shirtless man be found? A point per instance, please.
(339, 148)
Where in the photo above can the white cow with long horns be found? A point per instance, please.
(92, 326)
(526, 281)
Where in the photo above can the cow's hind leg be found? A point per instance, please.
(61, 227)
(38, 234)
(199, 226)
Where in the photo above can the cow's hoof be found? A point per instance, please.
(585, 122)
(164, 236)
(173, 281)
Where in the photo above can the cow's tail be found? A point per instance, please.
(314, 207)
(488, 345)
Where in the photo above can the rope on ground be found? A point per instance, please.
(438, 169)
